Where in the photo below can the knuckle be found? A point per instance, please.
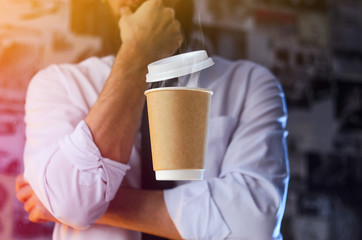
(170, 12)
(26, 207)
(179, 36)
(19, 196)
(155, 2)
(176, 27)
(19, 182)
(32, 218)
(178, 24)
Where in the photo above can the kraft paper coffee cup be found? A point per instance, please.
(178, 118)
(178, 121)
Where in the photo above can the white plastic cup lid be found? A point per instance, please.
(178, 65)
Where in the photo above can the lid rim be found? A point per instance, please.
(179, 89)
(161, 76)
(178, 65)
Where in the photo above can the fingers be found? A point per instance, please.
(23, 189)
(176, 25)
(154, 2)
(154, 27)
(134, 4)
(180, 40)
(170, 12)
(125, 11)
(150, 7)
(20, 182)
(37, 212)
(35, 216)
(24, 193)
(30, 204)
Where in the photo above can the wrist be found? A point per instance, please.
(129, 68)
(136, 55)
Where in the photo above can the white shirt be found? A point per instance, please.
(244, 192)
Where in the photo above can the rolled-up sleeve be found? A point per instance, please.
(247, 198)
(62, 163)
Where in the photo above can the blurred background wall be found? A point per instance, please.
(313, 46)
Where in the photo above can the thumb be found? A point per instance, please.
(125, 11)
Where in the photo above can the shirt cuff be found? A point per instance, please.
(194, 212)
(81, 150)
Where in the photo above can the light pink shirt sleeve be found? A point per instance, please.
(62, 164)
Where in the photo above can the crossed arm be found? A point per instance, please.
(138, 210)
(112, 121)
(133, 209)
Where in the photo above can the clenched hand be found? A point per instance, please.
(152, 28)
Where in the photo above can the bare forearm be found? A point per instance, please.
(140, 210)
(114, 118)
(149, 34)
